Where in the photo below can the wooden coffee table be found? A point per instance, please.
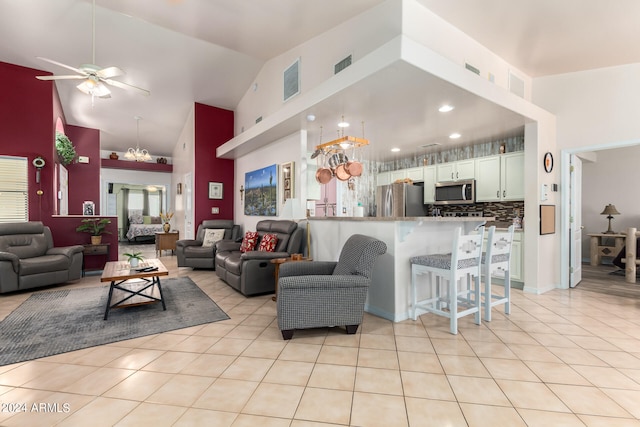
(146, 290)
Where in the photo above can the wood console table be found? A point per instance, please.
(166, 241)
(598, 248)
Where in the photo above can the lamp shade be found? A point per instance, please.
(610, 210)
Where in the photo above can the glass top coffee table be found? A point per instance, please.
(133, 286)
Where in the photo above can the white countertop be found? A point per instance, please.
(406, 218)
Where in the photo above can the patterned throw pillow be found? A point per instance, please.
(135, 216)
(212, 236)
(249, 242)
(268, 243)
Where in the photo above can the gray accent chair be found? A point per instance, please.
(252, 273)
(315, 294)
(191, 253)
(28, 259)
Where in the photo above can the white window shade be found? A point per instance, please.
(14, 189)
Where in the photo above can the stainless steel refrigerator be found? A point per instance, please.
(399, 200)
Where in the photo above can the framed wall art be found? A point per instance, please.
(215, 190)
(547, 219)
(287, 179)
(261, 191)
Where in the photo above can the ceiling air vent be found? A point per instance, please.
(291, 80)
(433, 144)
(259, 119)
(342, 65)
(471, 68)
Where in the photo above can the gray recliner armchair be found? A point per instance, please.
(314, 294)
(28, 258)
(252, 272)
(191, 253)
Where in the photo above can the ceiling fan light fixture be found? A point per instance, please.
(94, 88)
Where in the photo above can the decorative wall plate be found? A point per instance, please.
(548, 162)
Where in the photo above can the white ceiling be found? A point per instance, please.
(209, 51)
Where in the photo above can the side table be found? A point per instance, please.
(276, 273)
(89, 250)
(166, 241)
(598, 249)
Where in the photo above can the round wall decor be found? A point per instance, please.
(548, 162)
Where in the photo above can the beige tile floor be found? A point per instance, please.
(569, 358)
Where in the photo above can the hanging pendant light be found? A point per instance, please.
(137, 154)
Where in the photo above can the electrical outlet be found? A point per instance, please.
(83, 159)
(215, 210)
(344, 210)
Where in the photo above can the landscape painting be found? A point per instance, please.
(261, 192)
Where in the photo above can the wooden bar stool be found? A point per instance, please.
(464, 261)
(497, 259)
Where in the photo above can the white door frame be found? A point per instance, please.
(565, 163)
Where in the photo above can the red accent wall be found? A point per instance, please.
(213, 127)
(29, 109)
(26, 120)
(84, 178)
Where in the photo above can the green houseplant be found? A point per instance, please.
(64, 147)
(134, 258)
(96, 227)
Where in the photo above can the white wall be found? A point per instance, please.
(289, 149)
(183, 163)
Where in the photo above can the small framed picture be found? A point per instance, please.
(215, 190)
(287, 180)
(179, 188)
(88, 208)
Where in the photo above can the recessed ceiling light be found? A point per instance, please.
(311, 117)
(395, 149)
(343, 124)
(455, 135)
(446, 108)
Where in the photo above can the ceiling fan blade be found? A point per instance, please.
(109, 72)
(60, 64)
(126, 86)
(60, 77)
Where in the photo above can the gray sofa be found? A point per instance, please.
(191, 253)
(314, 294)
(252, 272)
(29, 260)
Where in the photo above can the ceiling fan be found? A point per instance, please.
(94, 76)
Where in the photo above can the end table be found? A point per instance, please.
(166, 241)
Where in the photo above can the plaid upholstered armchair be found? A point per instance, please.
(314, 294)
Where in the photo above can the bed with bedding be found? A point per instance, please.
(143, 227)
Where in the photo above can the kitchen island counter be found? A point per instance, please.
(405, 237)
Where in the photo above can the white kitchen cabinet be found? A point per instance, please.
(429, 175)
(512, 176)
(383, 178)
(516, 265)
(500, 178)
(414, 174)
(454, 171)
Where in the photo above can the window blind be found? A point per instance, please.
(14, 189)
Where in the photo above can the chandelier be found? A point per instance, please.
(137, 154)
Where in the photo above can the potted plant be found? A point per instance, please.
(64, 147)
(96, 227)
(134, 258)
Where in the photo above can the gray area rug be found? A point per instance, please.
(55, 322)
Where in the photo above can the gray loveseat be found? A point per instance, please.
(29, 260)
(191, 253)
(252, 272)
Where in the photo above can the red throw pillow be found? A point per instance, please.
(268, 243)
(249, 241)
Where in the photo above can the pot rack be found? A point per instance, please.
(337, 145)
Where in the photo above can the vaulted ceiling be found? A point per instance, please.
(209, 51)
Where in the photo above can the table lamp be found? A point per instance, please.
(610, 210)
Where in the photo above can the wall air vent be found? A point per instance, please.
(259, 119)
(516, 85)
(342, 65)
(471, 68)
(291, 80)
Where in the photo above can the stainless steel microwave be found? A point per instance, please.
(456, 192)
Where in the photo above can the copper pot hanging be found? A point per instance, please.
(354, 167)
(324, 174)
